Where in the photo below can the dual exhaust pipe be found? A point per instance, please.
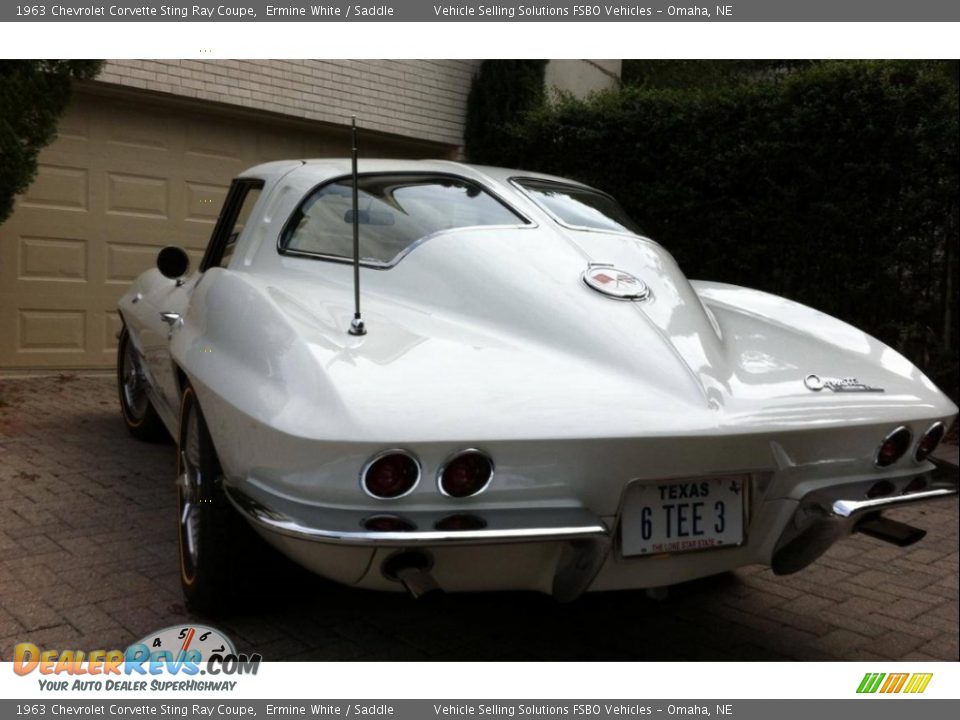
(816, 539)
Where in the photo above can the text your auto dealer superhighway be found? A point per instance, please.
(180, 11)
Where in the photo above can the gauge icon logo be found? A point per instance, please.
(197, 642)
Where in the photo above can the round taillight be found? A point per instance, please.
(928, 443)
(391, 475)
(893, 447)
(465, 474)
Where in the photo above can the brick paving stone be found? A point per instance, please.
(8, 624)
(842, 642)
(945, 647)
(893, 644)
(88, 619)
(906, 609)
(88, 560)
(32, 612)
(933, 623)
(808, 622)
(924, 631)
(807, 605)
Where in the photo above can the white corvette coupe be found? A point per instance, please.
(534, 396)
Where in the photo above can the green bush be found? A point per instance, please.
(33, 95)
(835, 185)
(501, 92)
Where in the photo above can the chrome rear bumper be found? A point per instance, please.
(584, 539)
(352, 527)
(824, 516)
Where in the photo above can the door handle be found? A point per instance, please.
(170, 318)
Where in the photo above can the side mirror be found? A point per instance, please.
(173, 262)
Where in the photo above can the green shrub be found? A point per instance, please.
(501, 92)
(835, 185)
(33, 95)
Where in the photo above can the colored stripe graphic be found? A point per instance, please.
(870, 682)
(918, 682)
(894, 683)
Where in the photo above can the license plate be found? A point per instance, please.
(683, 515)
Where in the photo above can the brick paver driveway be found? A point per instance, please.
(88, 560)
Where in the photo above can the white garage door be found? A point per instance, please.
(128, 174)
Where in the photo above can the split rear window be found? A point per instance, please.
(395, 212)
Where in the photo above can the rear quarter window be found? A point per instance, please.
(578, 207)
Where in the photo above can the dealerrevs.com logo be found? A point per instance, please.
(176, 651)
(912, 683)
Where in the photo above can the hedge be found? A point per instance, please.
(836, 186)
(33, 95)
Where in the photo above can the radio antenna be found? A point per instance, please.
(356, 325)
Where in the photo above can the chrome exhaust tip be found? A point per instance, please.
(411, 568)
(891, 531)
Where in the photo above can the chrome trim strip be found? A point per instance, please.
(383, 454)
(929, 430)
(451, 458)
(848, 508)
(876, 455)
(343, 527)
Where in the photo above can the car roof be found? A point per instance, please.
(326, 168)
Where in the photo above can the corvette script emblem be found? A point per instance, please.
(615, 283)
(847, 384)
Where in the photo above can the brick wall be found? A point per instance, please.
(423, 99)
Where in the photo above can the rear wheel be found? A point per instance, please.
(138, 414)
(217, 547)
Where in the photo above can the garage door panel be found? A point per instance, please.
(58, 187)
(52, 259)
(51, 330)
(138, 195)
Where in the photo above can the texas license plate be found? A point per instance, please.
(683, 515)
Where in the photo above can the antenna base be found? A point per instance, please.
(357, 327)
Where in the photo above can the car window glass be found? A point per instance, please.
(395, 211)
(580, 207)
(246, 207)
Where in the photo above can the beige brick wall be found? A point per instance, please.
(423, 99)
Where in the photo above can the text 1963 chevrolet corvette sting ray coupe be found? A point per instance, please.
(541, 400)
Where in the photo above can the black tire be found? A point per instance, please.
(217, 547)
(138, 413)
